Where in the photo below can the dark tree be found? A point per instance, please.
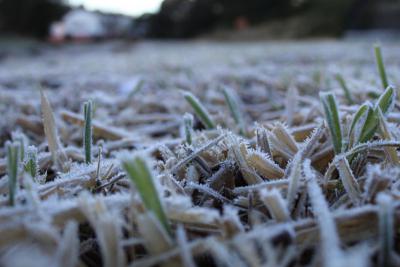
(30, 17)
(187, 18)
(296, 18)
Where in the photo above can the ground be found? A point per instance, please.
(266, 175)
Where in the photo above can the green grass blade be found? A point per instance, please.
(200, 110)
(188, 127)
(233, 105)
(386, 100)
(332, 118)
(13, 150)
(381, 66)
(357, 123)
(138, 86)
(87, 139)
(142, 177)
(31, 164)
(385, 133)
(369, 127)
(386, 229)
(342, 83)
(23, 143)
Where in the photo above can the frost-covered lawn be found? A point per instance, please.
(200, 154)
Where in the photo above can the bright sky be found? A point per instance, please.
(128, 7)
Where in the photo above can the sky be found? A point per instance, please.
(127, 7)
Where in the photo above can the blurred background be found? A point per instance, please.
(142, 51)
(77, 20)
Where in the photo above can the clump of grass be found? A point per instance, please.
(278, 185)
(200, 111)
(333, 121)
(87, 137)
(381, 66)
(13, 159)
(142, 177)
(365, 120)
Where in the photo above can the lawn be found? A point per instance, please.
(200, 154)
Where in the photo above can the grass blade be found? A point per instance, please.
(142, 177)
(233, 105)
(13, 150)
(387, 135)
(368, 127)
(330, 243)
(294, 178)
(332, 118)
(264, 165)
(87, 138)
(342, 83)
(57, 153)
(237, 147)
(358, 121)
(381, 66)
(136, 88)
(23, 143)
(31, 164)
(188, 127)
(200, 110)
(349, 182)
(386, 100)
(262, 140)
(386, 227)
(291, 104)
(276, 204)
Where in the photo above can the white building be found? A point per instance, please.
(80, 23)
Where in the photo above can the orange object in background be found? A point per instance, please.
(241, 23)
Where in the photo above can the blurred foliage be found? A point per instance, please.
(184, 18)
(30, 17)
(190, 18)
(290, 18)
